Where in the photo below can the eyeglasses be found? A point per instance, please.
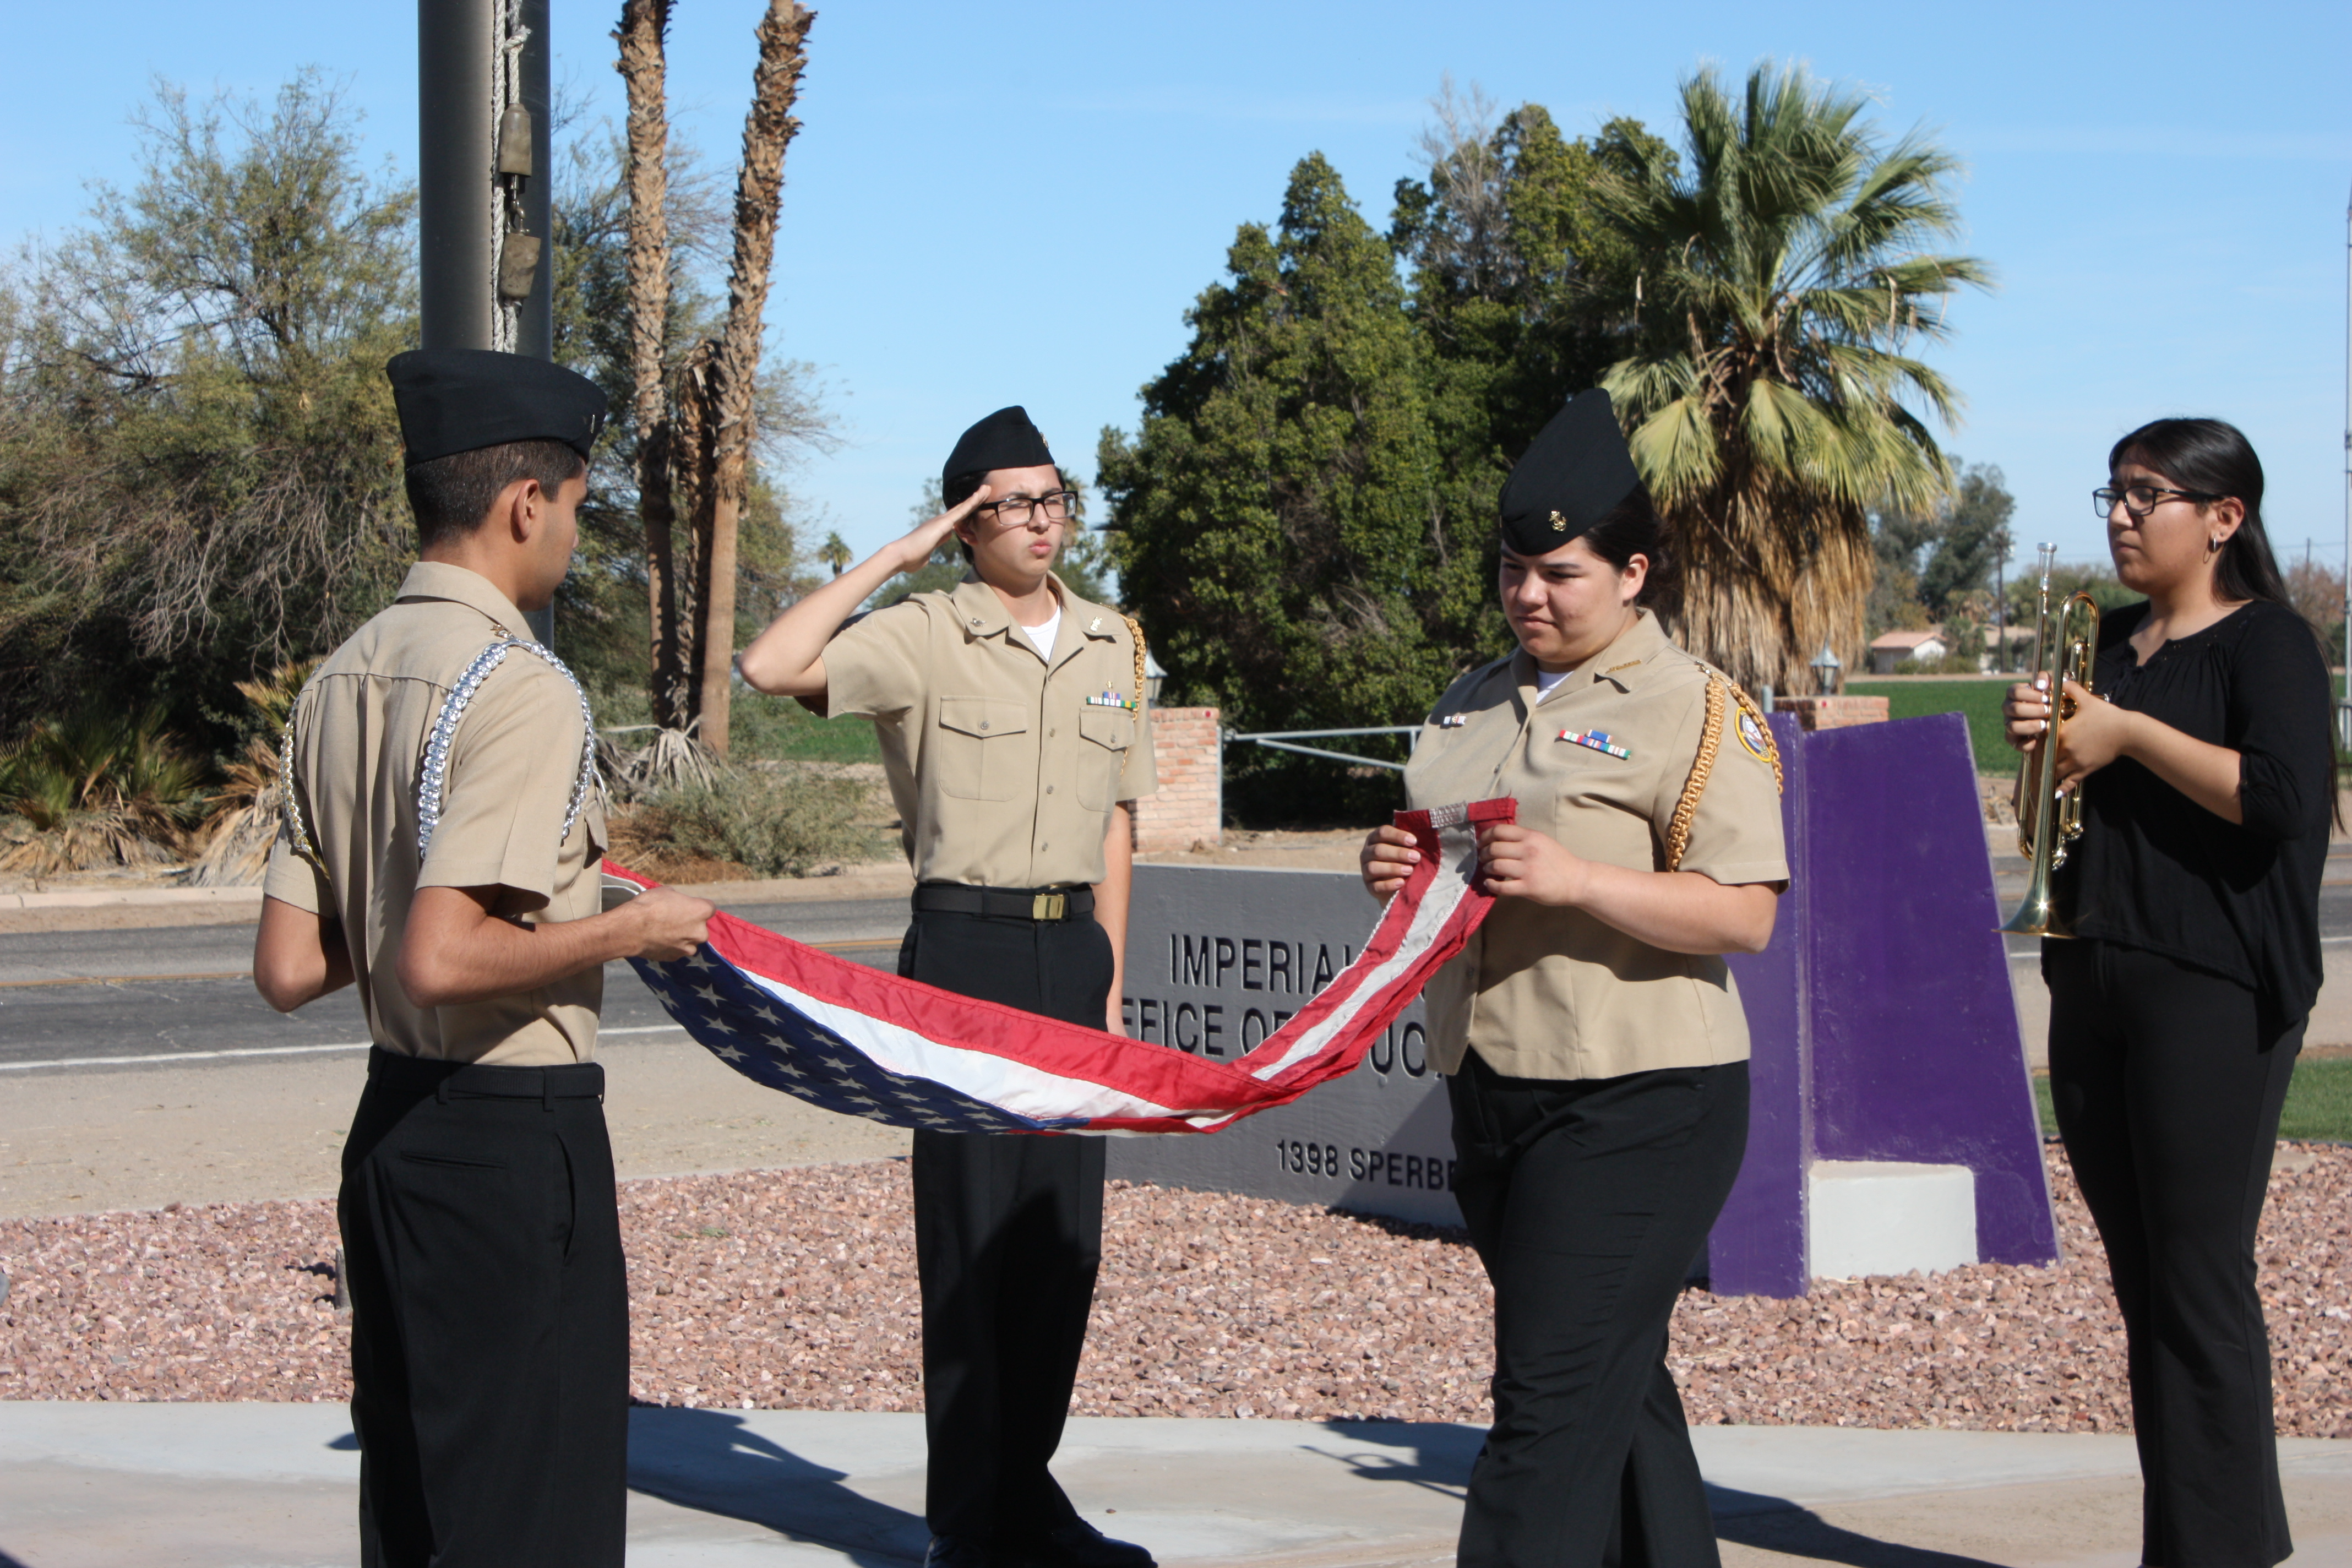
(2141, 500)
(1014, 512)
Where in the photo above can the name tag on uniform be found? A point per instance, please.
(1595, 741)
(1110, 699)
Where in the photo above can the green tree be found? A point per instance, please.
(199, 470)
(1278, 522)
(1928, 562)
(1521, 292)
(1972, 534)
(1771, 397)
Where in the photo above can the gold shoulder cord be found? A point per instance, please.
(1136, 631)
(1710, 741)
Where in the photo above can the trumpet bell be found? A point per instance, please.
(2038, 915)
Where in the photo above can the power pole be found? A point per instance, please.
(485, 271)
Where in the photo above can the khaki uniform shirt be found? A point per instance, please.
(358, 743)
(1004, 769)
(1554, 992)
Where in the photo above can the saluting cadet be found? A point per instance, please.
(1593, 1042)
(441, 847)
(1011, 717)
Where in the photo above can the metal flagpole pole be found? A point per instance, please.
(484, 277)
(2344, 708)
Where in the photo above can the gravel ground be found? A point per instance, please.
(795, 1289)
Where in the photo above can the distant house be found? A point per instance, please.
(1894, 647)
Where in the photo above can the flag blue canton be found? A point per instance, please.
(766, 1038)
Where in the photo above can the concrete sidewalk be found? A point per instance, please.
(262, 1486)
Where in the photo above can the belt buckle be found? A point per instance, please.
(1049, 907)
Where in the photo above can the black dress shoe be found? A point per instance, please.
(1074, 1545)
(959, 1552)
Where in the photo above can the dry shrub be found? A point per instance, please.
(766, 822)
(94, 791)
(243, 815)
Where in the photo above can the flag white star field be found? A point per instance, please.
(865, 1043)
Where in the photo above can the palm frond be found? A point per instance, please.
(1788, 267)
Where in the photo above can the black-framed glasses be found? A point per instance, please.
(2141, 500)
(1014, 512)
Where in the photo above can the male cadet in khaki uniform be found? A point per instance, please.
(1011, 717)
(441, 848)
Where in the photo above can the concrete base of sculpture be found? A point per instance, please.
(1888, 1216)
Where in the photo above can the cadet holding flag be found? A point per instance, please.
(1010, 713)
(1594, 1048)
(441, 848)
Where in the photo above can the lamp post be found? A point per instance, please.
(1828, 669)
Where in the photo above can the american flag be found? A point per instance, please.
(865, 1043)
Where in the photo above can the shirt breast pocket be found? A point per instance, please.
(1110, 731)
(982, 749)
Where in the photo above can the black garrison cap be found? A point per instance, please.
(1006, 439)
(458, 400)
(1573, 474)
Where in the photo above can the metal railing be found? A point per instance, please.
(1282, 741)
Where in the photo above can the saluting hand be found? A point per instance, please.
(1387, 859)
(1520, 863)
(915, 548)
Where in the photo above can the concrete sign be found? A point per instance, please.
(1217, 958)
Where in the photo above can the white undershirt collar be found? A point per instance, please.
(1042, 634)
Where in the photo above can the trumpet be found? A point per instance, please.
(2065, 641)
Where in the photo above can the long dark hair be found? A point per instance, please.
(2213, 458)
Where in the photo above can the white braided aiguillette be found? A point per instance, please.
(434, 778)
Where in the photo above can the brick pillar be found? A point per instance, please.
(1832, 713)
(1188, 807)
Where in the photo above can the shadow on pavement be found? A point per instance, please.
(1442, 1453)
(1776, 1524)
(709, 1461)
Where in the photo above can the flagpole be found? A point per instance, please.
(2344, 708)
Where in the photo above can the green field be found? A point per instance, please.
(777, 729)
(1978, 700)
(2318, 1103)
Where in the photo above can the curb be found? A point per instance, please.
(184, 898)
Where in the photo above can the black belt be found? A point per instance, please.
(1063, 903)
(469, 1081)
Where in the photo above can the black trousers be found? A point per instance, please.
(1587, 1200)
(490, 1317)
(2168, 1083)
(1008, 1237)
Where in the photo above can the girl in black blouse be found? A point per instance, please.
(2208, 771)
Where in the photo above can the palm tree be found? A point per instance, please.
(1771, 399)
(833, 553)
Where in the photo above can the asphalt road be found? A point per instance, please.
(183, 994)
(81, 999)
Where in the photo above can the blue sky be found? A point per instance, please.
(1016, 202)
